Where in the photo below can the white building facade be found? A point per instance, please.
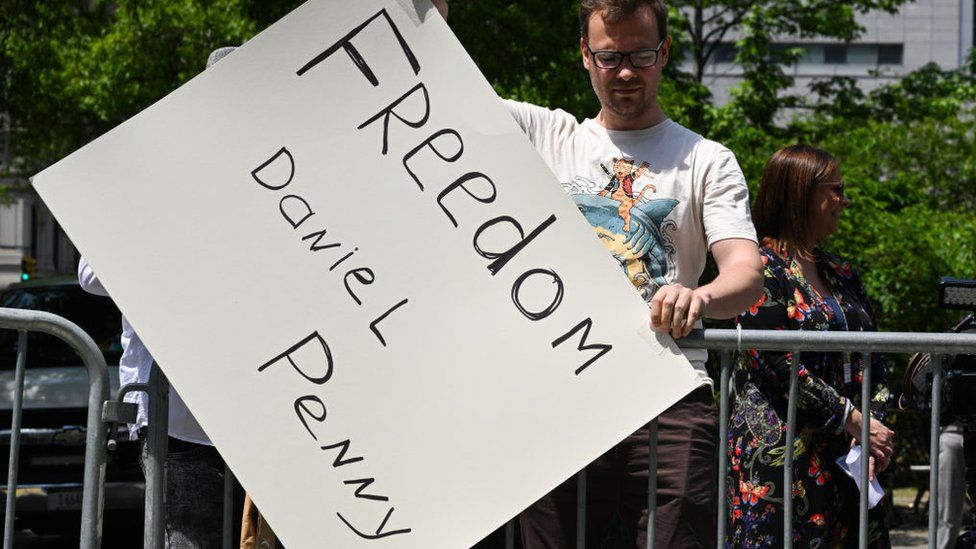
(893, 45)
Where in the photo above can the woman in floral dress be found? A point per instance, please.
(800, 199)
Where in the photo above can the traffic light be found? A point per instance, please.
(28, 268)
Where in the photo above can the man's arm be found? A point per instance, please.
(676, 309)
(87, 279)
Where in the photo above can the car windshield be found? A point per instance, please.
(96, 315)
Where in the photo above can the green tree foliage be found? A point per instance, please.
(700, 27)
(528, 50)
(909, 155)
(73, 69)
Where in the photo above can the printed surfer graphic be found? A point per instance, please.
(621, 186)
(634, 228)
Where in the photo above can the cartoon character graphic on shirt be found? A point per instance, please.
(621, 185)
(635, 229)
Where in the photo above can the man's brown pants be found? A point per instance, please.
(616, 511)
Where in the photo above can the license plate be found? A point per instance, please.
(69, 500)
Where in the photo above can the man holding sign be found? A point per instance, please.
(409, 352)
(658, 196)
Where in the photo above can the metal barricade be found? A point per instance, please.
(729, 341)
(724, 341)
(94, 474)
(157, 442)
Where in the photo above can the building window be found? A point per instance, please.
(724, 53)
(890, 54)
(835, 54)
(859, 54)
(4, 142)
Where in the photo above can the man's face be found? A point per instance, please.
(628, 96)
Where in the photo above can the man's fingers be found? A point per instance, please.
(667, 309)
(656, 311)
(871, 468)
(694, 314)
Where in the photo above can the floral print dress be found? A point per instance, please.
(825, 500)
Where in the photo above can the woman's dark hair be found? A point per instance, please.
(618, 10)
(782, 208)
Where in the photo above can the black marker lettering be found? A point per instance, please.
(346, 44)
(461, 183)
(275, 159)
(379, 531)
(429, 142)
(318, 236)
(365, 277)
(604, 348)
(302, 410)
(341, 459)
(375, 323)
(327, 353)
(363, 485)
(307, 210)
(389, 111)
(343, 258)
(502, 258)
(553, 305)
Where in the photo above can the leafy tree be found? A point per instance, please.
(700, 27)
(529, 50)
(705, 24)
(73, 69)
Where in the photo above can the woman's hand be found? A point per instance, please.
(876, 466)
(881, 437)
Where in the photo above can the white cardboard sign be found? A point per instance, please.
(364, 282)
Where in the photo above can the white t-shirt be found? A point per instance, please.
(658, 198)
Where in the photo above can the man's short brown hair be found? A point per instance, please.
(615, 11)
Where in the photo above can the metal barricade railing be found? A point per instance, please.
(724, 341)
(867, 343)
(25, 321)
(157, 443)
(729, 341)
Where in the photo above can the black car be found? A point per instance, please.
(51, 463)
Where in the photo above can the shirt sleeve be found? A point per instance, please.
(88, 280)
(726, 212)
(544, 127)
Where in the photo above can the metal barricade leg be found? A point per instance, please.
(154, 535)
(8, 524)
(723, 435)
(865, 451)
(937, 379)
(581, 509)
(788, 461)
(651, 481)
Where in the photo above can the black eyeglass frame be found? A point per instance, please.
(620, 55)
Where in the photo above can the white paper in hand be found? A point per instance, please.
(851, 464)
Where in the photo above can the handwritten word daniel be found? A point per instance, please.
(447, 145)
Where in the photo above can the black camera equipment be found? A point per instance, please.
(959, 391)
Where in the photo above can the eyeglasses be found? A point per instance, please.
(639, 59)
(837, 187)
